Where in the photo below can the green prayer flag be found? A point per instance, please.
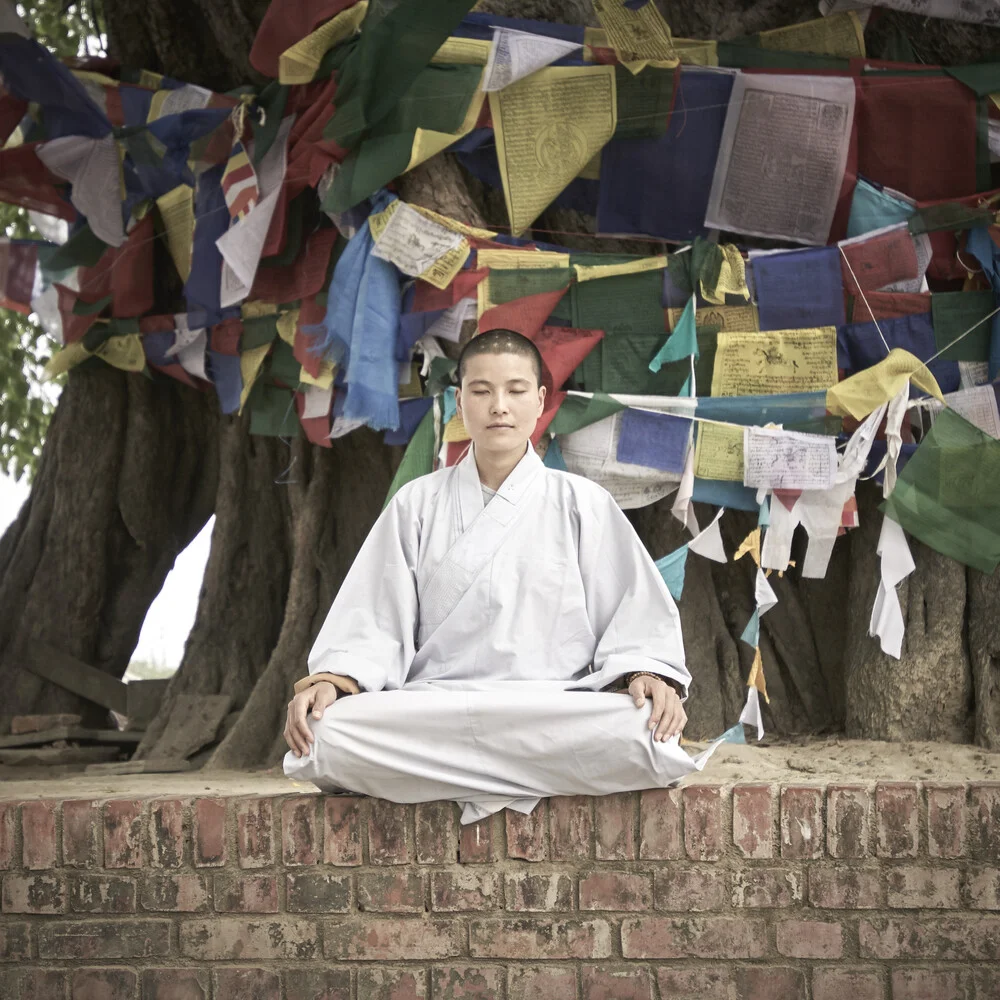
(950, 215)
(948, 494)
(508, 284)
(418, 459)
(981, 78)
(283, 365)
(952, 313)
(258, 331)
(581, 411)
(272, 411)
(743, 54)
(682, 343)
(643, 101)
(82, 249)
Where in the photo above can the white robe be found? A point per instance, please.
(499, 615)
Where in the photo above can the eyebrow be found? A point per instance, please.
(483, 381)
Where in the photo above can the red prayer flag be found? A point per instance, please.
(427, 298)
(305, 276)
(526, 315)
(879, 261)
(890, 305)
(287, 22)
(26, 181)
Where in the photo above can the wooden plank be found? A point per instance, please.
(74, 675)
(57, 755)
(151, 765)
(76, 733)
(194, 723)
(39, 723)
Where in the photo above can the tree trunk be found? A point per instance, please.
(132, 470)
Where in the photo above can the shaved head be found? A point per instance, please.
(501, 342)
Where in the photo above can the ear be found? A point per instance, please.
(458, 401)
(541, 399)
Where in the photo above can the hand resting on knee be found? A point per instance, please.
(315, 699)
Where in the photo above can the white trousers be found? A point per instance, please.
(488, 750)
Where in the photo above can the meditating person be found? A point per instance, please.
(502, 634)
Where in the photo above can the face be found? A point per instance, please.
(499, 401)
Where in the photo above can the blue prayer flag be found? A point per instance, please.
(655, 440)
(799, 289)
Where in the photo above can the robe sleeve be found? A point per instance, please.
(632, 614)
(370, 631)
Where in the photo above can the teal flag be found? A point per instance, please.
(751, 634)
(554, 457)
(682, 343)
(671, 568)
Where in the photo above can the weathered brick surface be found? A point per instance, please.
(877, 891)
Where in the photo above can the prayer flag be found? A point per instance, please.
(802, 288)
(239, 183)
(656, 440)
(671, 568)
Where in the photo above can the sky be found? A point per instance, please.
(171, 615)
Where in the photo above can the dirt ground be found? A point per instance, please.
(806, 761)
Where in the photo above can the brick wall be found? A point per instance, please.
(752, 892)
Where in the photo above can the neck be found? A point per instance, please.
(494, 467)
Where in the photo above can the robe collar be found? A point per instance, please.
(512, 489)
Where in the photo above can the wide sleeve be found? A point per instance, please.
(369, 633)
(632, 614)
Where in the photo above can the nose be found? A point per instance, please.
(499, 406)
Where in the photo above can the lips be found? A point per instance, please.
(499, 427)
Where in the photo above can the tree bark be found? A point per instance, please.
(132, 469)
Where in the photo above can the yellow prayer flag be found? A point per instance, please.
(177, 211)
(62, 361)
(725, 318)
(697, 51)
(639, 37)
(751, 545)
(428, 143)
(411, 388)
(512, 260)
(455, 430)
(756, 678)
(250, 365)
(585, 272)
(841, 36)
(548, 127)
(299, 63)
(858, 395)
(718, 452)
(731, 280)
(463, 51)
(254, 310)
(123, 352)
(149, 79)
(995, 98)
(288, 321)
(324, 380)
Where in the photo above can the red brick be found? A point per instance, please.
(300, 830)
(254, 833)
(387, 840)
(393, 939)
(453, 892)
(437, 833)
(103, 984)
(166, 833)
(79, 834)
(690, 889)
(527, 891)
(839, 983)
(810, 939)
(33, 894)
(246, 984)
(221, 938)
(33, 984)
(175, 984)
(314, 892)
(8, 833)
(801, 822)
(846, 888)
(945, 821)
(539, 938)
(616, 891)
(571, 828)
(102, 894)
(174, 893)
(767, 887)
(38, 829)
(123, 834)
(317, 984)
(982, 887)
(897, 808)
(680, 983)
(944, 939)
(245, 893)
(15, 941)
(209, 832)
(755, 982)
(693, 937)
(984, 821)
(753, 823)
(475, 843)
(391, 892)
(622, 983)
(392, 984)
(847, 821)
(526, 834)
(614, 827)
(910, 887)
(465, 983)
(932, 984)
(540, 982)
(342, 831)
(92, 939)
(703, 826)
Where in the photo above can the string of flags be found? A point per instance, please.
(863, 343)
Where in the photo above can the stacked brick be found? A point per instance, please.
(751, 892)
